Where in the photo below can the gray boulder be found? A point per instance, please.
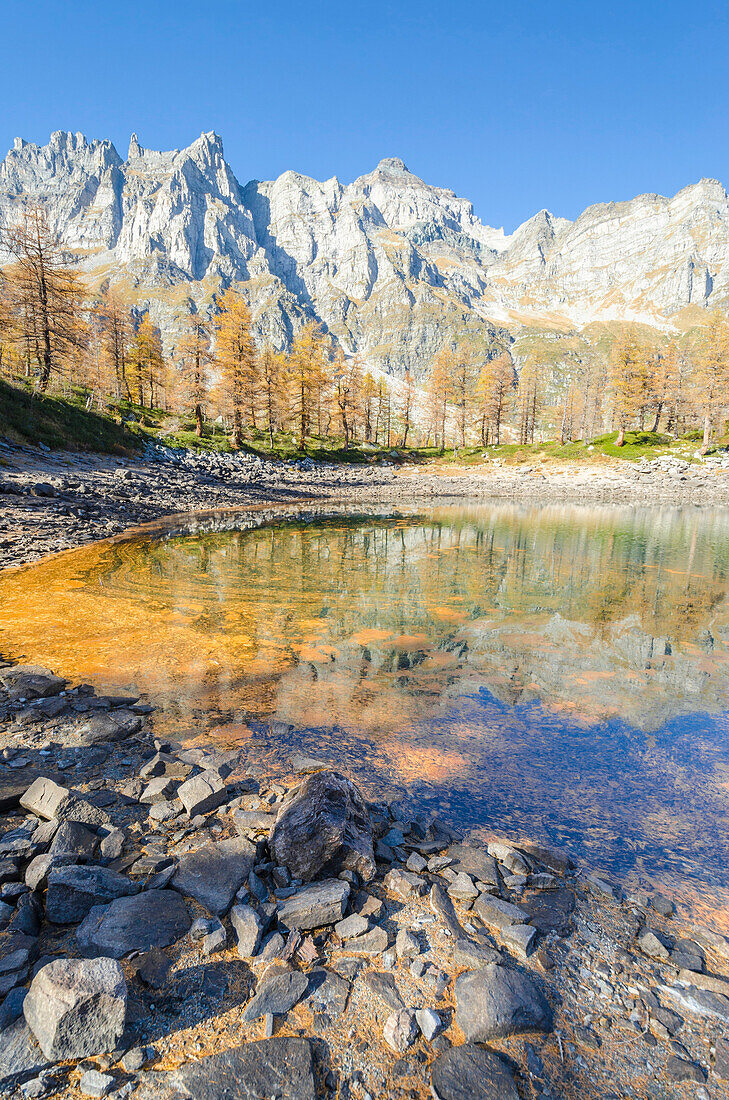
(282, 1067)
(317, 905)
(203, 793)
(20, 1055)
(43, 798)
(73, 839)
(77, 1007)
(470, 1072)
(324, 829)
(277, 993)
(155, 918)
(214, 873)
(102, 727)
(73, 891)
(30, 682)
(248, 929)
(496, 1002)
(497, 913)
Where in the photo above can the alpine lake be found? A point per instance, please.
(558, 673)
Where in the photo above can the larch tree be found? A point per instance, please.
(47, 296)
(116, 329)
(146, 362)
(308, 375)
(272, 369)
(347, 381)
(407, 406)
(462, 387)
(711, 373)
(438, 390)
(495, 394)
(194, 360)
(235, 353)
(629, 382)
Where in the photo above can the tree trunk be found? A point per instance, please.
(707, 433)
(619, 442)
(198, 420)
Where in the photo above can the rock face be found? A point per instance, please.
(77, 1007)
(496, 1002)
(324, 828)
(388, 264)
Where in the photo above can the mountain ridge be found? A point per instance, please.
(390, 265)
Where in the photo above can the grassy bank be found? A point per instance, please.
(122, 427)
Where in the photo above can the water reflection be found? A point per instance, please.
(559, 672)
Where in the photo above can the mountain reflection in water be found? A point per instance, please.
(554, 672)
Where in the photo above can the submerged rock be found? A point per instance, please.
(325, 828)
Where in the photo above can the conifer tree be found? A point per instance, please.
(146, 362)
(235, 353)
(711, 373)
(46, 294)
(495, 392)
(308, 375)
(194, 359)
(629, 381)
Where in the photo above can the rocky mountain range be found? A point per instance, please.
(391, 266)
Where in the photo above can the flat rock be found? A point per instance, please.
(282, 1067)
(74, 890)
(43, 798)
(214, 873)
(327, 992)
(495, 1002)
(77, 1007)
(476, 862)
(444, 909)
(102, 727)
(474, 955)
(72, 838)
(372, 943)
(324, 829)
(315, 906)
(248, 928)
(253, 819)
(699, 1002)
(520, 938)
(404, 884)
(552, 858)
(400, 1030)
(203, 793)
(277, 993)
(551, 912)
(30, 682)
(471, 1072)
(384, 988)
(155, 918)
(496, 913)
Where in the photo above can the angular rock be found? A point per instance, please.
(372, 943)
(443, 908)
(37, 871)
(30, 682)
(73, 891)
(43, 798)
(678, 1069)
(471, 1072)
(406, 944)
(351, 927)
(496, 1002)
(112, 844)
(327, 992)
(100, 728)
(77, 1007)
(158, 790)
(520, 937)
(214, 873)
(324, 829)
(474, 955)
(652, 945)
(155, 918)
(721, 1059)
(202, 793)
(476, 862)
(429, 1023)
(496, 913)
(400, 1031)
(699, 1002)
(20, 1056)
(248, 929)
(277, 993)
(282, 1067)
(404, 884)
(315, 906)
(73, 839)
(384, 988)
(253, 819)
(96, 1084)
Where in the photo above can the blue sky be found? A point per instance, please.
(517, 106)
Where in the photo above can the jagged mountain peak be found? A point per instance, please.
(389, 264)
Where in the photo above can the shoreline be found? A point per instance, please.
(388, 990)
(53, 501)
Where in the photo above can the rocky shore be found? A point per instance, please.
(51, 501)
(177, 923)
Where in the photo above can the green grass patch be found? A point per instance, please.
(27, 417)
